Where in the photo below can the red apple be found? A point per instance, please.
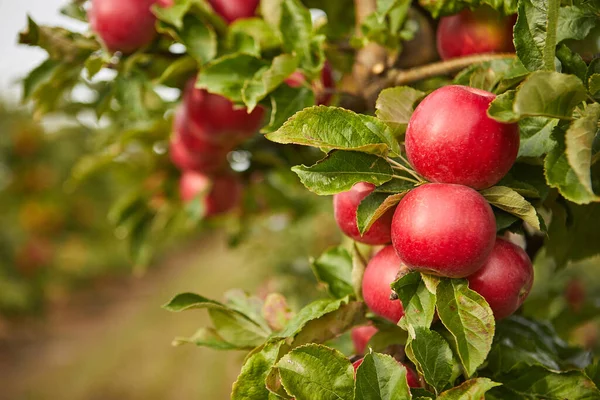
(323, 88)
(412, 378)
(473, 32)
(444, 229)
(575, 294)
(213, 117)
(124, 25)
(381, 271)
(505, 279)
(345, 205)
(222, 193)
(185, 159)
(200, 145)
(451, 139)
(361, 336)
(232, 10)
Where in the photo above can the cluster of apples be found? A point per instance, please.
(446, 228)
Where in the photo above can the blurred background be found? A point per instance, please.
(77, 319)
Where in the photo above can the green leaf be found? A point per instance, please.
(262, 33)
(396, 105)
(571, 62)
(250, 306)
(285, 102)
(199, 38)
(380, 377)
(174, 14)
(206, 337)
(334, 269)
(539, 383)
(315, 372)
(536, 136)
(535, 33)
(268, 79)
(469, 319)
(560, 175)
(418, 302)
(544, 94)
(341, 170)
(189, 301)
(473, 389)
(228, 75)
(594, 85)
(376, 204)
(579, 139)
(575, 22)
(512, 202)
(276, 311)
(433, 357)
(336, 128)
(250, 384)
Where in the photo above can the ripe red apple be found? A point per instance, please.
(361, 336)
(185, 159)
(473, 32)
(575, 294)
(451, 139)
(412, 378)
(505, 279)
(232, 10)
(444, 229)
(345, 205)
(323, 88)
(213, 117)
(381, 271)
(223, 192)
(124, 25)
(199, 145)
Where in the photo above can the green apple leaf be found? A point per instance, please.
(418, 302)
(380, 377)
(285, 102)
(579, 139)
(268, 79)
(469, 390)
(341, 170)
(469, 319)
(432, 356)
(396, 105)
(250, 384)
(535, 33)
(512, 202)
(575, 22)
(374, 206)
(536, 136)
(334, 269)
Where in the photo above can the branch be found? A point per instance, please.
(402, 77)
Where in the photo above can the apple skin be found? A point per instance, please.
(199, 145)
(185, 159)
(345, 205)
(124, 25)
(505, 279)
(224, 191)
(322, 89)
(474, 32)
(361, 336)
(451, 139)
(213, 117)
(412, 378)
(444, 229)
(381, 271)
(232, 10)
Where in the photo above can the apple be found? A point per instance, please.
(444, 229)
(346, 204)
(185, 159)
(232, 10)
(575, 294)
(451, 139)
(505, 279)
(412, 378)
(124, 25)
(221, 193)
(361, 336)
(382, 270)
(199, 145)
(474, 32)
(215, 118)
(323, 88)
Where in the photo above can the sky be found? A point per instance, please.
(15, 60)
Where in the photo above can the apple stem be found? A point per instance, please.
(396, 77)
(404, 178)
(396, 165)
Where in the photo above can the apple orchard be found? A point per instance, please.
(459, 140)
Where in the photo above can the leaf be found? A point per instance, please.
(536, 136)
(579, 139)
(295, 25)
(433, 357)
(571, 62)
(341, 170)
(574, 22)
(276, 311)
(285, 102)
(560, 175)
(228, 75)
(199, 38)
(539, 383)
(359, 264)
(396, 105)
(418, 302)
(380, 377)
(375, 205)
(535, 33)
(473, 389)
(251, 306)
(512, 202)
(543, 94)
(262, 33)
(188, 301)
(334, 269)
(469, 319)
(336, 128)
(267, 80)
(315, 372)
(174, 14)
(206, 337)
(250, 384)
(594, 85)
